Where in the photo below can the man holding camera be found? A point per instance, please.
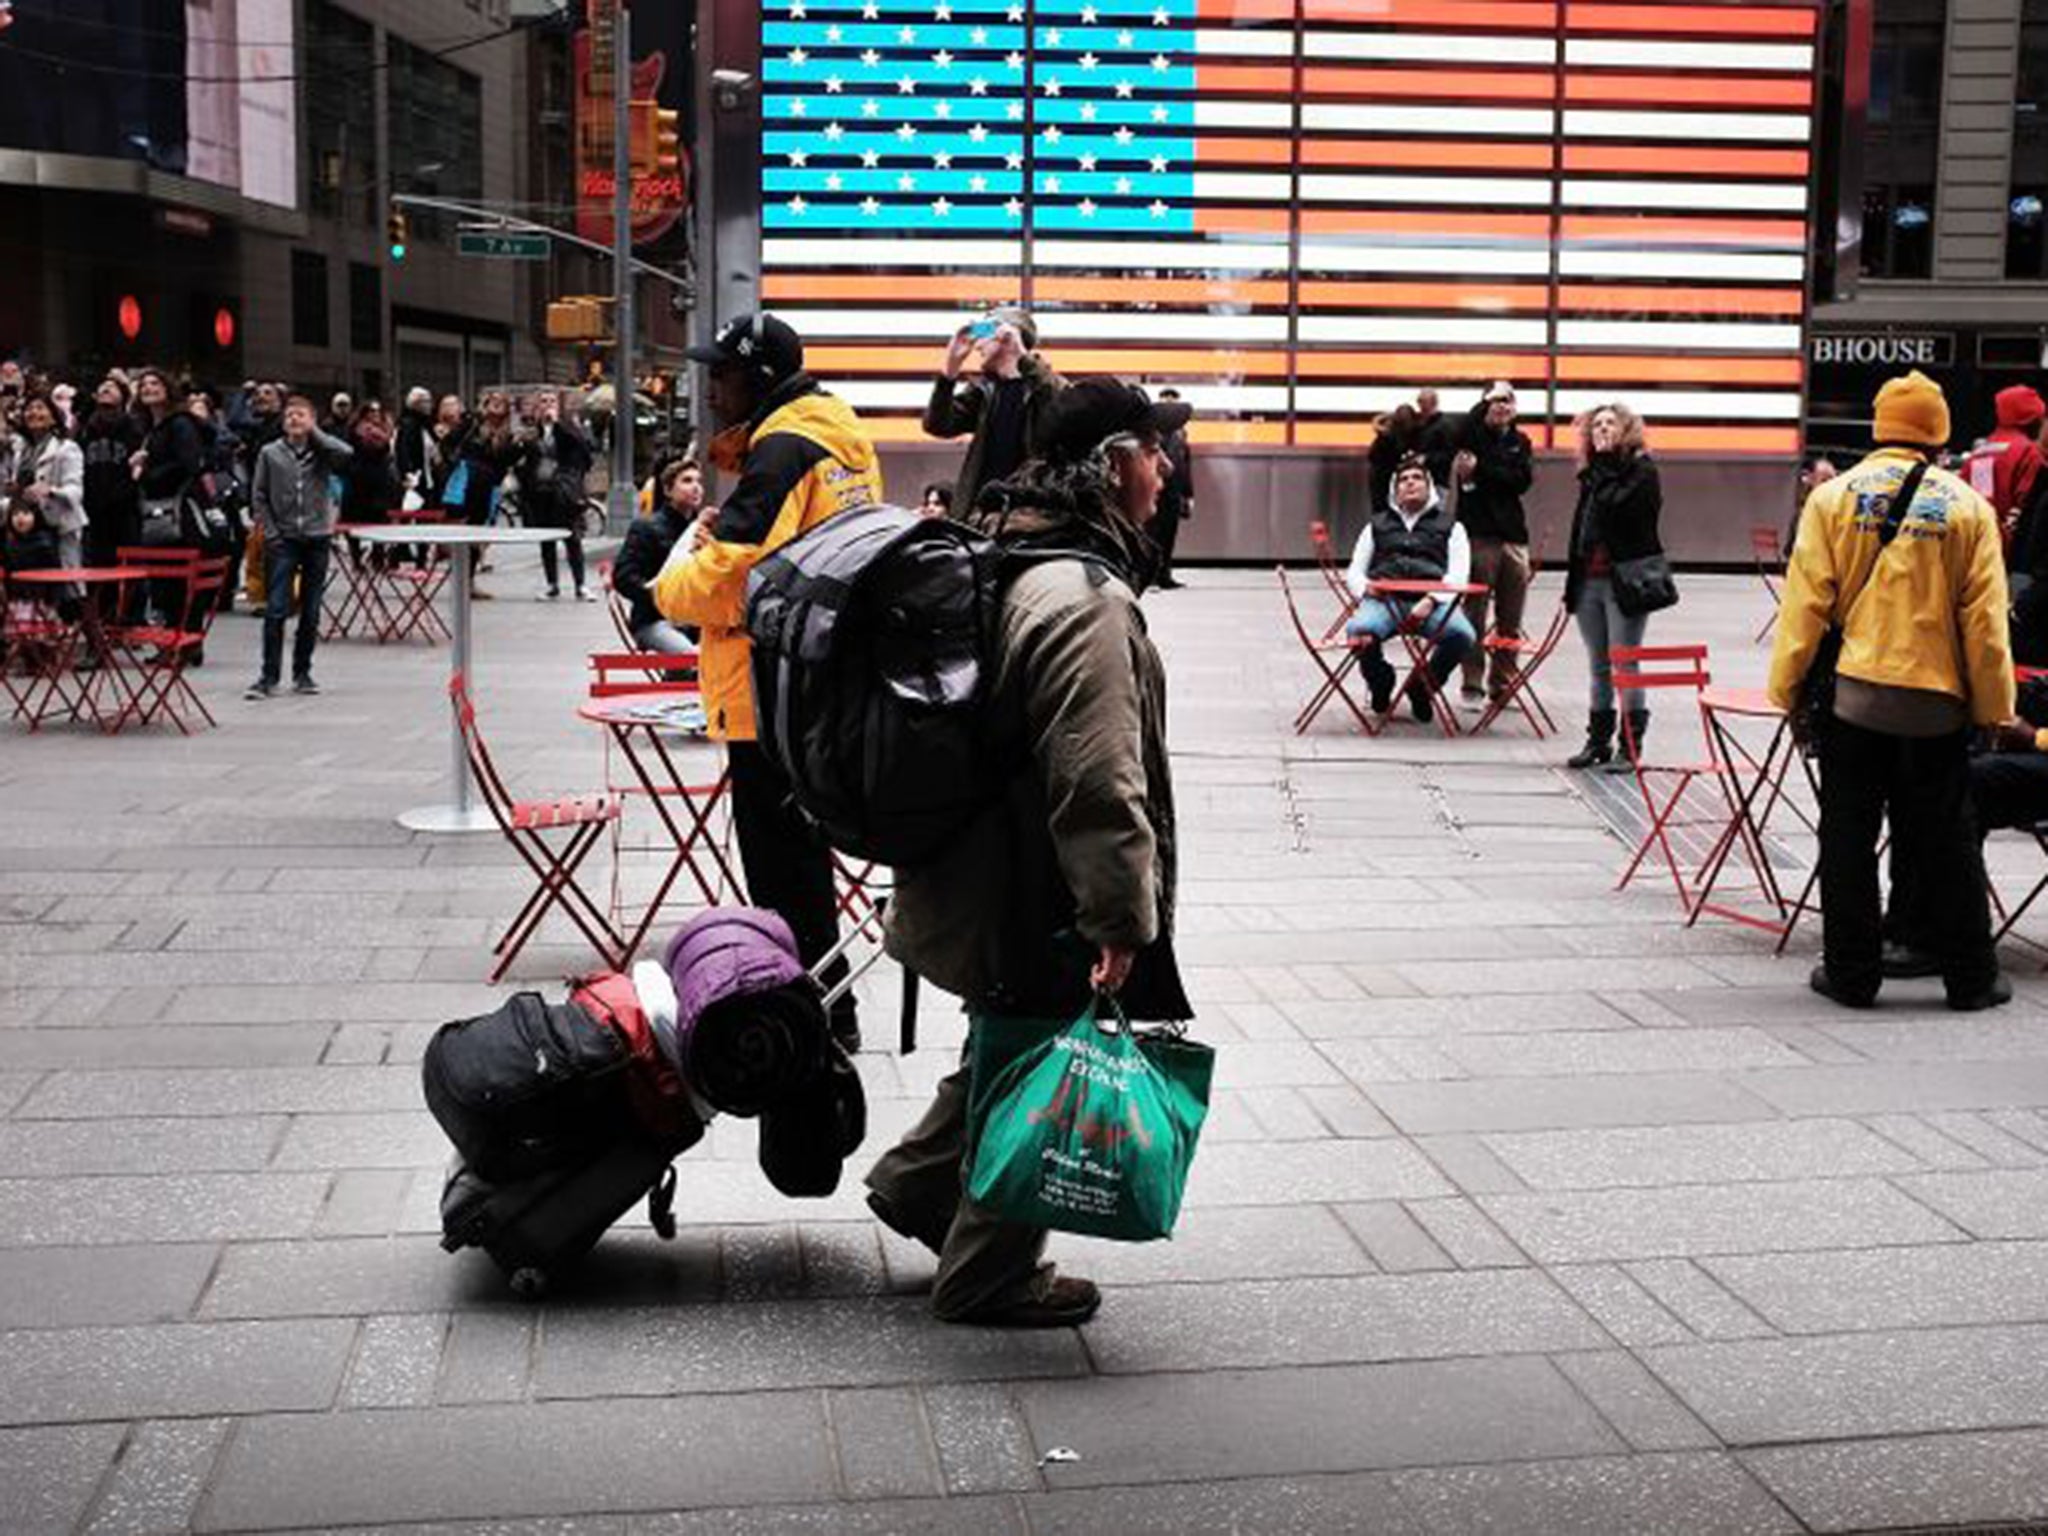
(1005, 408)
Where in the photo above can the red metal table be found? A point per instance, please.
(636, 723)
(1754, 789)
(56, 685)
(1419, 644)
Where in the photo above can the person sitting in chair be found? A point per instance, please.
(1416, 538)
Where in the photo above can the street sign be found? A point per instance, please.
(508, 244)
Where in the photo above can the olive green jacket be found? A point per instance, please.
(1080, 853)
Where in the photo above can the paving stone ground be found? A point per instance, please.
(1522, 1208)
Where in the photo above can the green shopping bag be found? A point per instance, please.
(1084, 1128)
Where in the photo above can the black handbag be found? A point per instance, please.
(1816, 704)
(1643, 585)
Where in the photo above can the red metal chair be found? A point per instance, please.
(615, 605)
(34, 651)
(1337, 674)
(1330, 566)
(351, 589)
(526, 825)
(414, 588)
(663, 680)
(165, 564)
(619, 674)
(1770, 569)
(1656, 669)
(1520, 691)
(161, 687)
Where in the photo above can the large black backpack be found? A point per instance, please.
(873, 638)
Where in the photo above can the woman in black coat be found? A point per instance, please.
(1620, 500)
(553, 465)
(167, 468)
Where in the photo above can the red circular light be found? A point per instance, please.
(129, 315)
(224, 328)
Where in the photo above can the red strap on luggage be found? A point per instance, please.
(654, 1087)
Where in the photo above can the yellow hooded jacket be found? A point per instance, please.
(1933, 609)
(808, 459)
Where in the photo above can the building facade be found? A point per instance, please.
(205, 184)
(1937, 140)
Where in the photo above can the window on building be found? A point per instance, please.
(365, 307)
(437, 132)
(2026, 241)
(1901, 146)
(309, 299)
(341, 117)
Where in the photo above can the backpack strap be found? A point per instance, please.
(1894, 519)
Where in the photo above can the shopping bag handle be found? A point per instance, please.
(1109, 1003)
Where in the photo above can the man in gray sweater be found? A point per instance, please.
(295, 511)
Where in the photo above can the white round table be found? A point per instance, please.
(462, 813)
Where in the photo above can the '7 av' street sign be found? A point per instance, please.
(516, 245)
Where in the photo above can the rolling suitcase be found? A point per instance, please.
(536, 1229)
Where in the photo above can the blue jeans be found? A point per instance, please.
(282, 558)
(1446, 625)
(1602, 625)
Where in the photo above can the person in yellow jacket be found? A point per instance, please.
(801, 456)
(1924, 655)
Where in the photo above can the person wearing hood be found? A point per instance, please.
(1065, 887)
(2006, 466)
(1415, 538)
(801, 456)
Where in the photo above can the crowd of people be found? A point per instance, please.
(263, 476)
(1899, 598)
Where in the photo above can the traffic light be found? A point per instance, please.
(668, 141)
(398, 232)
(578, 318)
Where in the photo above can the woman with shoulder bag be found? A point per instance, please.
(166, 467)
(1617, 575)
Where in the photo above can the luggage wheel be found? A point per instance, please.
(529, 1284)
(661, 1204)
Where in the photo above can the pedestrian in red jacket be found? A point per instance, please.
(2004, 467)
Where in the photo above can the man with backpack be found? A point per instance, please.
(801, 456)
(1896, 591)
(1063, 886)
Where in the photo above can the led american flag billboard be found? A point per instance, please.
(1299, 211)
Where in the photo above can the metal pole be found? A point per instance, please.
(619, 511)
(459, 554)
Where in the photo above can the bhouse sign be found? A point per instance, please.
(1883, 349)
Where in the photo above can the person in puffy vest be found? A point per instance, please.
(1923, 658)
(1415, 537)
(1066, 884)
(801, 456)
(2004, 467)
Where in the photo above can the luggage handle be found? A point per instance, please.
(871, 919)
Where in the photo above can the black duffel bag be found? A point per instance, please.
(528, 1087)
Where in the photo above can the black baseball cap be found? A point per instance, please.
(762, 342)
(1089, 412)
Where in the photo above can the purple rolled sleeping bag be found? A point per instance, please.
(749, 1020)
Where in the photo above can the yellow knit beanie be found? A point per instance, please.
(1911, 410)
